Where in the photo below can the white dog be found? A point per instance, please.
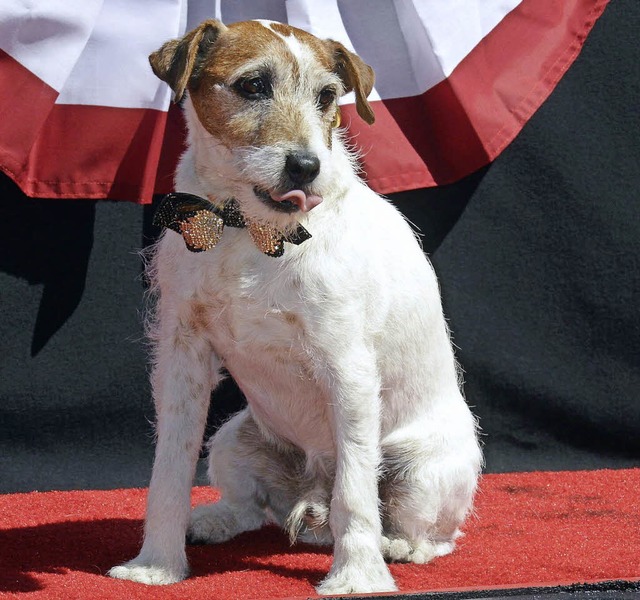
(315, 295)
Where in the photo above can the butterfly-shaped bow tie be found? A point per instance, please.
(201, 224)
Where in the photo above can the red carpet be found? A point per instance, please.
(529, 529)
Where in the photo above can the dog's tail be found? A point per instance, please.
(309, 519)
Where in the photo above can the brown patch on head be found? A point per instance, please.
(317, 46)
(212, 60)
(253, 48)
(243, 43)
(287, 30)
(354, 73)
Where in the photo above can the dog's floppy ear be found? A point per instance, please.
(356, 75)
(179, 62)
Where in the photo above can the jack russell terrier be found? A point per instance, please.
(282, 267)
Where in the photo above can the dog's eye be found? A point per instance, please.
(253, 87)
(326, 97)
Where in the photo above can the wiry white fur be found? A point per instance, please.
(355, 413)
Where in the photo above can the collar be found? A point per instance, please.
(201, 224)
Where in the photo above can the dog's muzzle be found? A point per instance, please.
(300, 170)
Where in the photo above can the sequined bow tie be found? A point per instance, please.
(201, 224)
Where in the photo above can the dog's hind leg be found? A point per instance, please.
(244, 500)
(426, 495)
(261, 480)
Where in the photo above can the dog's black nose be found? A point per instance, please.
(302, 167)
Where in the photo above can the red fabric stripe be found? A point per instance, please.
(96, 152)
(25, 103)
(74, 151)
(528, 529)
(465, 121)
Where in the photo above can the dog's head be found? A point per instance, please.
(264, 97)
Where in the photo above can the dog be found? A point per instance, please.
(281, 267)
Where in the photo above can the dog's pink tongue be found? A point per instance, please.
(300, 199)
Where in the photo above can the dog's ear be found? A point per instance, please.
(179, 62)
(356, 75)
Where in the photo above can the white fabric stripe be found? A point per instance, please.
(95, 51)
(201, 11)
(114, 70)
(47, 36)
(444, 32)
(240, 10)
(321, 19)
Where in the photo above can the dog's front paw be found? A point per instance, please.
(142, 572)
(358, 579)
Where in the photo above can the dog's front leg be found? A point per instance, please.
(358, 565)
(183, 377)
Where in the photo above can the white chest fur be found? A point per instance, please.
(275, 323)
(257, 316)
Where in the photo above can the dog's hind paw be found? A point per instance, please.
(219, 522)
(401, 550)
(149, 574)
(208, 526)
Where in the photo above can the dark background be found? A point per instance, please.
(538, 257)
